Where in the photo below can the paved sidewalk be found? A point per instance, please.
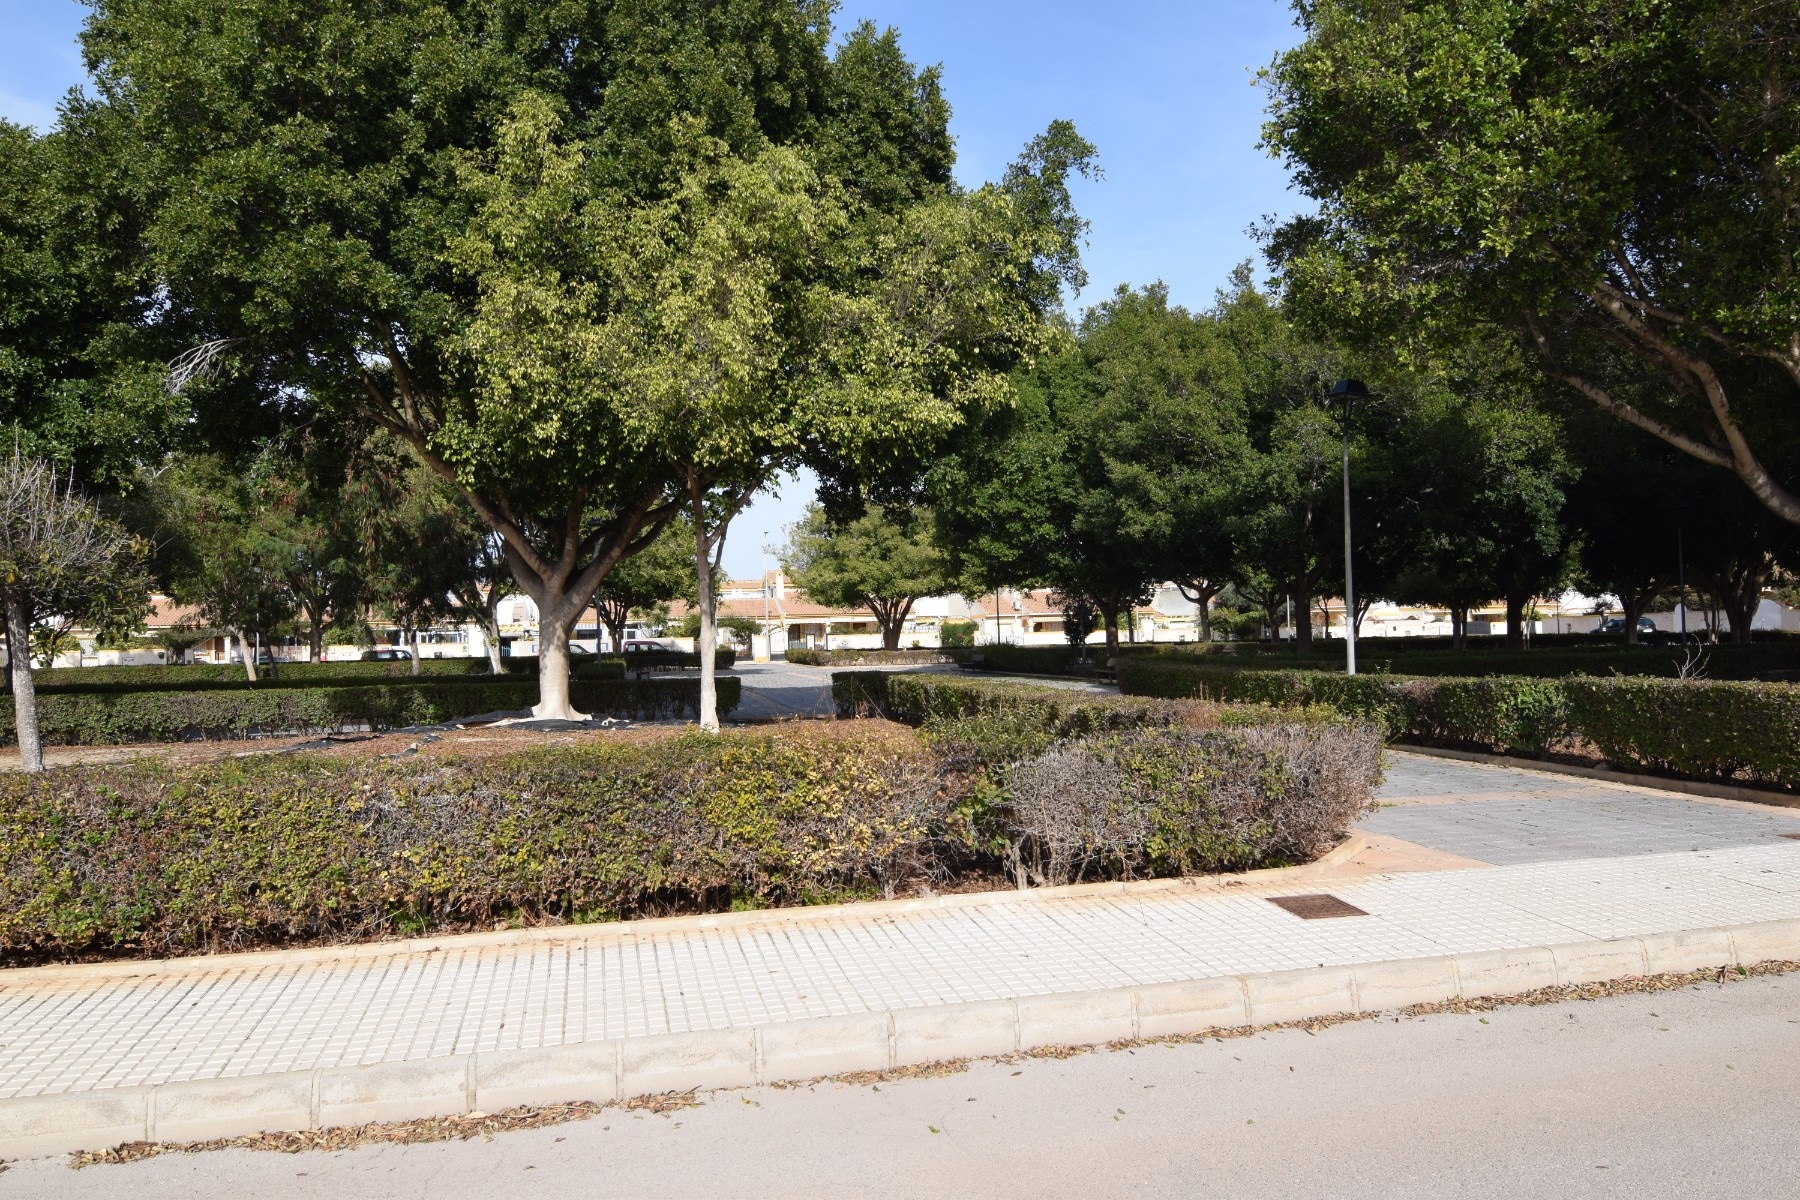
(71, 1032)
(1506, 815)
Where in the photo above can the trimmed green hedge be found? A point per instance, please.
(1732, 731)
(151, 859)
(1040, 660)
(1760, 660)
(122, 717)
(853, 658)
(205, 676)
(916, 699)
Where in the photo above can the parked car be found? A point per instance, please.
(645, 645)
(1615, 626)
(386, 654)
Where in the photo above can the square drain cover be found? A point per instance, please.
(1316, 908)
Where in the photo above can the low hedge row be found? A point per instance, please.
(201, 676)
(853, 658)
(1764, 660)
(113, 718)
(1059, 712)
(1730, 731)
(150, 859)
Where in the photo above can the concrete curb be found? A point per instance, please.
(1656, 783)
(1269, 877)
(794, 1050)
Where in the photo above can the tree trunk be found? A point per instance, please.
(490, 634)
(1109, 618)
(709, 636)
(553, 668)
(1634, 606)
(1515, 621)
(891, 616)
(315, 634)
(25, 713)
(1303, 614)
(412, 647)
(1459, 628)
(248, 654)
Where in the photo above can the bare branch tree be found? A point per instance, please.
(59, 559)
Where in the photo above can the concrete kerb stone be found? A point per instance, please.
(391, 1091)
(1766, 941)
(797, 1050)
(546, 1075)
(977, 1029)
(825, 1046)
(31, 1126)
(200, 1109)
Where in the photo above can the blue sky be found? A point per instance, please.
(1164, 89)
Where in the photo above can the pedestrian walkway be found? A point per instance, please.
(72, 1031)
(1506, 815)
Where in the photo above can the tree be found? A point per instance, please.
(1278, 494)
(348, 203)
(80, 337)
(884, 561)
(1624, 514)
(58, 558)
(307, 518)
(1613, 182)
(1461, 482)
(213, 552)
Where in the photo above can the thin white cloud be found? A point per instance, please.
(22, 110)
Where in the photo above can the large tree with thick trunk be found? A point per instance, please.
(334, 188)
(1615, 182)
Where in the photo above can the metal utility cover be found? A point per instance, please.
(1316, 908)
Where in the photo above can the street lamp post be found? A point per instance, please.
(1348, 390)
(768, 638)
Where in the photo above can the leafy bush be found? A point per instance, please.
(957, 634)
(1706, 729)
(163, 716)
(1166, 801)
(154, 860)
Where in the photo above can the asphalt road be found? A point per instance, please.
(1685, 1093)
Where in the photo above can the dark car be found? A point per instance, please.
(1616, 627)
(386, 654)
